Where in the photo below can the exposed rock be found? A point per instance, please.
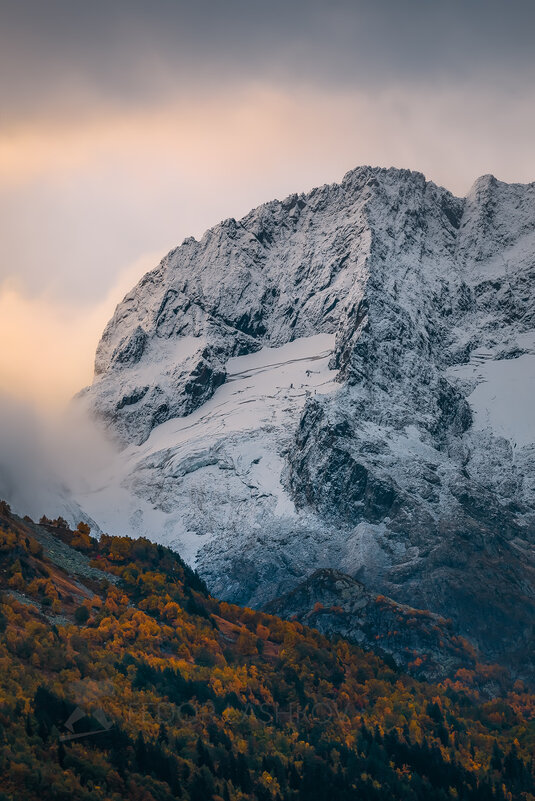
(338, 605)
(409, 464)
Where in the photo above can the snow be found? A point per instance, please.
(502, 390)
(513, 259)
(447, 281)
(236, 438)
(504, 400)
(160, 357)
(261, 389)
(399, 280)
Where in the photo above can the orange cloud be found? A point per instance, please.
(48, 345)
(259, 127)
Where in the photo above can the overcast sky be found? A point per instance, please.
(126, 126)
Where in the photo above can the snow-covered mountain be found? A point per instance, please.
(344, 380)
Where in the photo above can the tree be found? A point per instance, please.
(140, 750)
(497, 756)
(81, 615)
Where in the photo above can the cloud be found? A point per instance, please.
(50, 344)
(130, 53)
(128, 126)
(47, 459)
(78, 202)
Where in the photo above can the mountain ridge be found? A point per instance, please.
(342, 380)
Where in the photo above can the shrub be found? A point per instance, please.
(81, 615)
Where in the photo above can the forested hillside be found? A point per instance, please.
(121, 678)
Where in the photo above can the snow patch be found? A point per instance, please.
(504, 400)
(220, 466)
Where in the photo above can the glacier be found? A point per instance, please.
(340, 380)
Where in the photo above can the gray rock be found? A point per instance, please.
(408, 472)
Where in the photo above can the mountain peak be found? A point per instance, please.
(328, 383)
(365, 172)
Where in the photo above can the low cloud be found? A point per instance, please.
(50, 343)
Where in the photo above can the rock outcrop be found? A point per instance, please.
(340, 380)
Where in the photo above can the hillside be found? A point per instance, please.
(418, 640)
(122, 678)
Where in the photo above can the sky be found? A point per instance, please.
(126, 126)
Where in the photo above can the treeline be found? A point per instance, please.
(128, 681)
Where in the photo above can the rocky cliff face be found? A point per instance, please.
(344, 380)
(421, 642)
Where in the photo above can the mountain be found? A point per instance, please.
(423, 643)
(340, 380)
(123, 678)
